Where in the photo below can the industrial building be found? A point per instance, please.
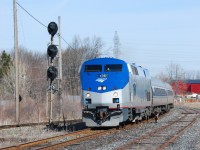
(186, 87)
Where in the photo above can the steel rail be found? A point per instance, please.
(33, 143)
(35, 124)
(150, 134)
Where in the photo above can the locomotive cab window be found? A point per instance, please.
(113, 68)
(140, 71)
(93, 68)
(134, 70)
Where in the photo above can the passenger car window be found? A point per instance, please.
(159, 92)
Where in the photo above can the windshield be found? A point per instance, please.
(93, 68)
(113, 68)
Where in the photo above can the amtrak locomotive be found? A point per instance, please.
(115, 92)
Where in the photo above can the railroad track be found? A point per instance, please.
(36, 124)
(72, 138)
(162, 137)
(55, 142)
(187, 110)
(93, 135)
(22, 125)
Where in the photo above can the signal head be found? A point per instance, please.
(52, 51)
(52, 73)
(52, 28)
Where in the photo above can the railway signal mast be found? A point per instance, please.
(52, 71)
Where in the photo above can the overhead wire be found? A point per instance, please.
(43, 24)
(31, 15)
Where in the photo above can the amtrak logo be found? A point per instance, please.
(101, 80)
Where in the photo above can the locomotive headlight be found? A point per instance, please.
(88, 95)
(99, 88)
(104, 87)
(115, 94)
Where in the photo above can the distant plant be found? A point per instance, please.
(6, 75)
(5, 64)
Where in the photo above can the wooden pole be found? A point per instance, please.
(60, 68)
(16, 63)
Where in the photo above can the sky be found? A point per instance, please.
(152, 33)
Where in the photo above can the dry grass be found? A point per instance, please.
(32, 111)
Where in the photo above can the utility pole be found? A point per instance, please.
(60, 67)
(16, 63)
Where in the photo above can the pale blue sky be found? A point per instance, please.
(153, 33)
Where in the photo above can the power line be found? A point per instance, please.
(43, 24)
(65, 41)
(31, 15)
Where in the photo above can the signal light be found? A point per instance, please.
(52, 51)
(52, 73)
(52, 28)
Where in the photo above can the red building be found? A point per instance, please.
(186, 87)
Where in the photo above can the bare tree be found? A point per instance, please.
(73, 57)
(8, 83)
(175, 72)
(163, 76)
(176, 76)
(198, 75)
(33, 73)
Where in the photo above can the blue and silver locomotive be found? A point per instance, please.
(114, 92)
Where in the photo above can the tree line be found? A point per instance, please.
(175, 72)
(32, 73)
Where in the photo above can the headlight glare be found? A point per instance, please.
(88, 95)
(115, 94)
(99, 88)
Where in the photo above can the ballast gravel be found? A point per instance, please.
(189, 140)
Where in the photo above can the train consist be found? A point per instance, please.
(115, 92)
